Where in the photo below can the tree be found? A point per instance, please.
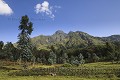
(59, 53)
(110, 51)
(33, 60)
(44, 60)
(117, 56)
(64, 58)
(1, 50)
(39, 60)
(95, 58)
(52, 48)
(24, 42)
(52, 58)
(81, 59)
(72, 58)
(1, 45)
(74, 61)
(88, 57)
(9, 50)
(42, 56)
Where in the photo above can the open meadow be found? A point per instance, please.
(12, 71)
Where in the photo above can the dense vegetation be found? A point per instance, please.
(74, 48)
(61, 54)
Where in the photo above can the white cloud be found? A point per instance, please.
(4, 8)
(45, 8)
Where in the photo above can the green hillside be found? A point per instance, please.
(72, 39)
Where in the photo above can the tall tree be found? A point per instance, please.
(95, 58)
(52, 58)
(24, 42)
(81, 59)
(64, 58)
(1, 50)
(1, 45)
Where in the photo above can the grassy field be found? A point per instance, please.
(4, 76)
(8, 67)
(47, 78)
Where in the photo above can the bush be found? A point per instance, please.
(113, 76)
(66, 65)
(76, 63)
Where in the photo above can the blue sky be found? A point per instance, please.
(96, 17)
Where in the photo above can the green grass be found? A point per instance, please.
(101, 65)
(10, 65)
(47, 78)
(4, 76)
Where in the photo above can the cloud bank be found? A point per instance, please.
(45, 8)
(4, 8)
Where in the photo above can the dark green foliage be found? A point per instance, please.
(1, 45)
(2, 55)
(95, 58)
(110, 51)
(42, 56)
(81, 59)
(64, 58)
(72, 59)
(52, 58)
(25, 25)
(39, 60)
(76, 62)
(53, 48)
(44, 60)
(24, 42)
(9, 51)
(117, 56)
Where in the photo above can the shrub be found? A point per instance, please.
(113, 76)
(76, 62)
(66, 65)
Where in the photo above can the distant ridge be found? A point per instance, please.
(71, 39)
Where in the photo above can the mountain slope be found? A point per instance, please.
(112, 38)
(72, 39)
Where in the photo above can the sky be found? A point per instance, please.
(95, 17)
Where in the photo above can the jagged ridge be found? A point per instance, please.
(72, 39)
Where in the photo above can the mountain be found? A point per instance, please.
(72, 39)
(112, 38)
(43, 41)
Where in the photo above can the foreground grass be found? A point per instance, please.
(4, 73)
(4, 76)
(47, 78)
